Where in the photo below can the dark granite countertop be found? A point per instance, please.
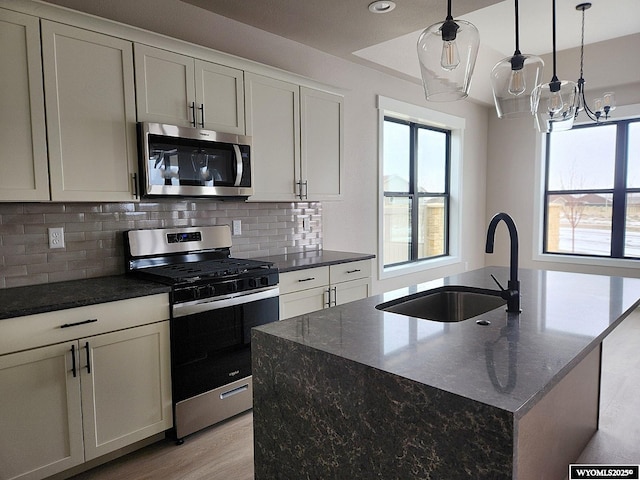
(316, 258)
(509, 364)
(47, 297)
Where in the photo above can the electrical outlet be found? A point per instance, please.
(237, 227)
(56, 237)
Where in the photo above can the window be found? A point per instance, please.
(592, 191)
(416, 165)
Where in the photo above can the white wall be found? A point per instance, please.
(350, 224)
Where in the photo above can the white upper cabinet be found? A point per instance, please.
(180, 90)
(220, 97)
(23, 158)
(322, 120)
(164, 86)
(90, 101)
(273, 123)
(297, 138)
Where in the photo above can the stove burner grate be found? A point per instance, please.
(206, 269)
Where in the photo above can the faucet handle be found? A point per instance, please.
(497, 283)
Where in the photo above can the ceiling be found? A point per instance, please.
(347, 29)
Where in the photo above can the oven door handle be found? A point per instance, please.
(190, 308)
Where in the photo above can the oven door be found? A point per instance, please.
(211, 339)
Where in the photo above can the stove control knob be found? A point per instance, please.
(203, 292)
(264, 281)
(252, 282)
(232, 287)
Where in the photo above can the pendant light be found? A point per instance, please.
(602, 105)
(447, 53)
(513, 80)
(554, 102)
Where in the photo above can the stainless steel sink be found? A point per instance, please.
(446, 304)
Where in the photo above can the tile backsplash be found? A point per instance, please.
(93, 233)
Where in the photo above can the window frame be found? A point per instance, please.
(414, 195)
(623, 112)
(456, 125)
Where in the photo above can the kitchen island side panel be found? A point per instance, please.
(317, 415)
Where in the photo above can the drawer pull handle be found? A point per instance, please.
(73, 360)
(235, 391)
(354, 271)
(86, 345)
(307, 279)
(67, 325)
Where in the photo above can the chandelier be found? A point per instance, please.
(601, 106)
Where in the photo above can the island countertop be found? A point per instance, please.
(508, 364)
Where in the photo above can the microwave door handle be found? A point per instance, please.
(236, 149)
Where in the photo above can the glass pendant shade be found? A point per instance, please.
(513, 80)
(555, 105)
(447, 53)
(555, 102)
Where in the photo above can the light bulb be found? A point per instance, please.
(555, 102)
(597, 105)
(609, 100)
(450, 58)
(517, 85)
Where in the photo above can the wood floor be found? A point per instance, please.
(225, 451)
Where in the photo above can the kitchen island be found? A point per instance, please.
(355, 392)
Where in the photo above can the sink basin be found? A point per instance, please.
(446, 304)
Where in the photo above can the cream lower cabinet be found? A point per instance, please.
(24, 174)
(91, 116)
(71, 402)
(308, 290)
(126, 394)
(41, 414)
(180, 90)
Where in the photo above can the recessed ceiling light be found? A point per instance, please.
(381, 6)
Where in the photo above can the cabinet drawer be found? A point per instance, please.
(343, 272)
(304, 279)
(32, 331)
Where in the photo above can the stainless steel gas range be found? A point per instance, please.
(215, 301)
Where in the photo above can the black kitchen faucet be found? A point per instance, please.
(512, 293)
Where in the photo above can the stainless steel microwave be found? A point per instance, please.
(192, 162)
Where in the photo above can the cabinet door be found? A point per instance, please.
(219, 97)
(91, 117)
(273, 122)
(40, 415)
(304, 301)
(23, 157)
(322, 123)
(126, 390)
(165, 86)
(351, 291)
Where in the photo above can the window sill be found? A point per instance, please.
(421, 266)
(600, 262)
